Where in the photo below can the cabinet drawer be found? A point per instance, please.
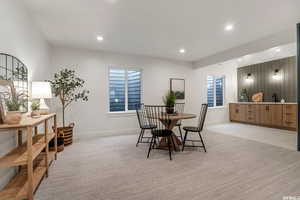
(251, 115)
(290, 115)
(290, 124)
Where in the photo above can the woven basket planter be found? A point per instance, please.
(67, 133)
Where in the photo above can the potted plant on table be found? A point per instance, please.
(169, 101)
(14, 115)
(13, 101)
(68, 88)
(35, 107)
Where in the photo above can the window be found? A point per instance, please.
(215, 91)
(124, 89)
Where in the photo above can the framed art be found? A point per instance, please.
(177, 86)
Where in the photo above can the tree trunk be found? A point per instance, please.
(63, 114)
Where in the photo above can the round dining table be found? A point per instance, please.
(170, 124)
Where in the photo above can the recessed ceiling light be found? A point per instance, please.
(181, 50)
(229, 27)
(240, 59)
(100, 38)
(277, 49)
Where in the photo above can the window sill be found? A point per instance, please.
(122, 114)
(216, 107)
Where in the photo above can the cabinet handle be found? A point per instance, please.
(237, 110)
(267, 108)
(289, 122)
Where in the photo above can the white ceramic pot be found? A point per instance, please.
(13, 117)
(35, 114)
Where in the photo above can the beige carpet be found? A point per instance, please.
(277, 137)
(112, 168)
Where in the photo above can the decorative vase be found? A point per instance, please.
(35, 114)
(13, 117)
(170, 110)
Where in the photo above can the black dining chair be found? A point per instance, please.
(196, 129)
(179, 108)
(143, 123)
(158, 116)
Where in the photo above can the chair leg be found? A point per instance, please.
(140, 136)
(150, 147)
(179, 127)
(173, 143)
(183, 143)
(154, 143)
(169, 146)
(202, 141)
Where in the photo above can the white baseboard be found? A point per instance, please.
(81, 135)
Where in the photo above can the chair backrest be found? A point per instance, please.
(179, 107)
(202, 116)
(158, 116)
(141, 115)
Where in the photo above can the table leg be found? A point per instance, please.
(55, 139)
(47, 147)
(20, 142)
(163, 142)
(35, 130)
(29, 164)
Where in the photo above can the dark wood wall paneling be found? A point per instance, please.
(298, 82)
(262, 75)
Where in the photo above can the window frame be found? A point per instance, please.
(126, 88)
(215, 93)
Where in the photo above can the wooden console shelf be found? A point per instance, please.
(276, 115)
(33, 157)
(18, 156)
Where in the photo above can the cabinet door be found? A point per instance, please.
(265, 114)
(233, 111)
(237, 112)
(276, 115)
(242, 112)
(290, 116)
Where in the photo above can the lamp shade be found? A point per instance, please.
(41, 90)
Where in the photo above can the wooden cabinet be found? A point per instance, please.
(265, 115)
(237, 112)
(276, 111)
(271, 115)
(233, 112)
(33, 157)
(251, 116)
(290, 116)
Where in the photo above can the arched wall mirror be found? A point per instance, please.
(12, 69)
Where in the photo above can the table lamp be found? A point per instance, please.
(42, 91)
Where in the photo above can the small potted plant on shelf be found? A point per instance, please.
(35, 110)
(13, 104)
(169, 101)
(68, 88)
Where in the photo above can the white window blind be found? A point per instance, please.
(124, 89)
(215, 91)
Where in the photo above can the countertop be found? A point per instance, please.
(263, 103)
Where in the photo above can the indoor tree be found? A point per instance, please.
(68, 88)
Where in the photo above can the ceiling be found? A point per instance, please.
(160, 28)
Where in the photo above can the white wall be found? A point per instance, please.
(19, 37)
(199, 90)
(91, 118)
